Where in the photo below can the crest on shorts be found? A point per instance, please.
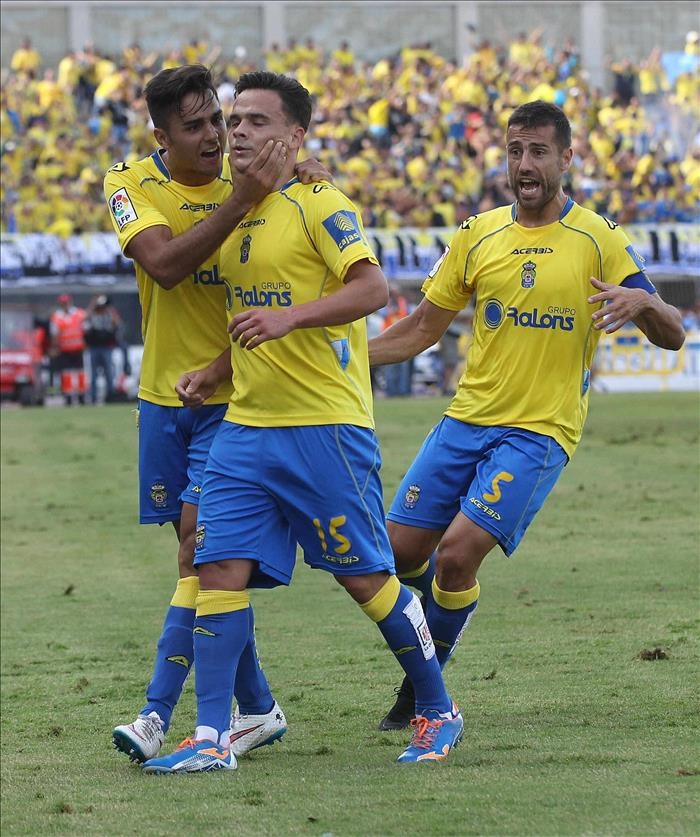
(199, 535)
(159, 495)
(245, 249)
(412, 496)
(527, 277)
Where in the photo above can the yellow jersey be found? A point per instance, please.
(293, 247)
(533, 343)
(183, 328)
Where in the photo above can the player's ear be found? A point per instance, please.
(297, 138)
(161, 138)
(566, 158)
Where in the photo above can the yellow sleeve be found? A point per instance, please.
(131, 210)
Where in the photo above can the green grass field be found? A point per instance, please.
(578, 677)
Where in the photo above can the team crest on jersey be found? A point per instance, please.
(121, 207)
(343, 228)
(245, 249)
(527, 277)
(159, 495)
(412, 497)
(199, 536)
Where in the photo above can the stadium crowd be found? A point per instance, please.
(414, 138)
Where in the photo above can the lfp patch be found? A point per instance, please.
(343, 228)
(122, 208)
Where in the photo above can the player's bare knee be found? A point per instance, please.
(456, 567)
(411, 546)
(363, 587)
(185, 563)
(452, 572)
(231, 574)
(185, 555)
(406, 562)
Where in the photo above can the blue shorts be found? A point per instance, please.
(499, 477)
(173, 447)
(268, 488)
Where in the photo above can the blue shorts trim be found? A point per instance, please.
(268, 488)
(499, 477)
(174, 444)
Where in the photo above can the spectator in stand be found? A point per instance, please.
(624, 75)
(344, 55)
(26, 60)
(103, 334)
(436, 109)
(67, 348)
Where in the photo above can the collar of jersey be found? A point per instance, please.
(160, 163)
(565, 209)
(289, 183)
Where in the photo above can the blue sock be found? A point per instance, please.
(422, 578)
(220, 635)
(174, 656)
(448, 615)
(251, 689)
(405, 629)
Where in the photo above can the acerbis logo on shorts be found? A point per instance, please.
(487, 510)
(340, 559)
(411, 497)
(199, 536)
(159, 495)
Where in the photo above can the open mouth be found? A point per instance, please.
(528, 186)
(211, 154)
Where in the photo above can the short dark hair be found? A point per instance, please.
(166, 90)
(540, 114)
(296, 99)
